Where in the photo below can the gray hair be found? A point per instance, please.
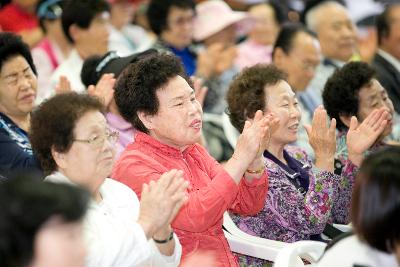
(314, 14)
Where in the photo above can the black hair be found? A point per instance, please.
(287, 35)
(26, 204)
(81, 13)
(340, 94)
(135, 90)
(158, 11)
(11, 45)
(382, 22)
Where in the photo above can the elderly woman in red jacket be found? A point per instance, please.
(155, 95)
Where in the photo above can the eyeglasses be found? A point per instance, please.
(98, 140)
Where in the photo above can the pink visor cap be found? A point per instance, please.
(214, 15)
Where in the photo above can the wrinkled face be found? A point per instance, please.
(18, 85)
(60, 244)
(336, 33)
(265, 28)
(374, 96)
(178, 121)
(179, 31)
(94, 40)
(88, 164)
(281, 100)
(301, 62)
(391, 43)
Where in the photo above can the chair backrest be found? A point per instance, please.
(230, 131)
(291, 255)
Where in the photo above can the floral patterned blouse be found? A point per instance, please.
(290, 216)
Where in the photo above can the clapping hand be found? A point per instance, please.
(322, 138)
(362, 136)
(161, 200)
(255, 137)
(104, 89)
(63, 86)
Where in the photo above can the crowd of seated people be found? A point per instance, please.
(270, 111)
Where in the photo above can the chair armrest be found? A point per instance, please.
(246, 247)
(246, 244)
(343, 227)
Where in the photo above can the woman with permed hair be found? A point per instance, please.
(353, 93)
(155, 95)
(18, 88)
(74, 145)
(303, 196)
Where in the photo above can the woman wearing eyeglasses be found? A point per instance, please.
(70, 136)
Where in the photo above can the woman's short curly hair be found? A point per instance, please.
(246, 93)
(53, 124)
(340, 94)
(135, 90)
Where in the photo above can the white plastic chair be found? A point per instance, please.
(291, 255)
(243, 243)
(343, 227)
(230, 131)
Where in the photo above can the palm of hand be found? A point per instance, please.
(361, 138)
(321, 137)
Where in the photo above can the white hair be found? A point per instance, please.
(314, 14)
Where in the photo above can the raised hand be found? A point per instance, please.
(104, 89)
(322, 138)
(200, 91)
(161, 201)
(251, 145)
(63, 86)
(362, 136)
(255, 136)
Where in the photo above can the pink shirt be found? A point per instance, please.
(211, 192)
(251, 53)
(125, 130)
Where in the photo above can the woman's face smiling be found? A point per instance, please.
(281, 100)
(178, 120)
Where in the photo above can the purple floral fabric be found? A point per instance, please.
(288, 215)
(348, 171)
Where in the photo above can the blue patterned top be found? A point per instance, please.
(15, 148)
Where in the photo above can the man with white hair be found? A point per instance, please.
(337, 35)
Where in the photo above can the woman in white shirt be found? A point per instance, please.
(70, 136)
(375, 216)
